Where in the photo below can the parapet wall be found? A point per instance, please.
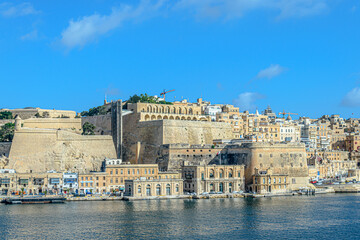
(31, 112)
(53, 123)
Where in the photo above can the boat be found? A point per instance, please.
(34, 200)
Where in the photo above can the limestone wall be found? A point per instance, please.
(53, 123)
(28, 113)
(5, 148)
(152, 134)
(4, 121)
(101, 122)
(41, 150)
(287, 159)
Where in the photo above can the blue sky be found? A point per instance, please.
(302, 56)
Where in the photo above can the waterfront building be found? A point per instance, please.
(265, 181)
(166, 184)
(70, 182)
(118, 173)
(213, 178)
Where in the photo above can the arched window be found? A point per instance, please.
(212, 175)
(177, 187)
(158, 189)
(221, 187)
(221, 173)
(148, 190)
(168, 189)
(230, 173)
(179, 110)
(190, 111)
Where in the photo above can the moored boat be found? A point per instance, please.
(34, 200)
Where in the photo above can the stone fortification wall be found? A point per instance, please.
(39, 150)
(53, 123)
(28, 113)
(282, 158)
(5, 148)
(153, 134)
(101, 122)
(4, 121)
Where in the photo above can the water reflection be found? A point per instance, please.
(291, 217)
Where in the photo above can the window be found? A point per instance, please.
(274, 180)
(263, 180)
(153, 171)
(137, 172)
(148, 190)
(139, 189)
(279, 179)
(145, 171)
(238, 173)
(212, 173)
(129, 171)
(177, 188)
(168, 189)
(133, 171)
(284, 179)
(111, 172)
(202, 176)
(121, 171)
(221, 173)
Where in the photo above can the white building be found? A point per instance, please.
(290, 134)
(70, 182)
(211, 110)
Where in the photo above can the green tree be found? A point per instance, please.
(144, 98)
(88, 129)
(6, 115)
(100, 110)
(7, 132)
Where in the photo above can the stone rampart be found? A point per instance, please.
(101, 122)
(53, 123)
(40, 150)
(5, 148)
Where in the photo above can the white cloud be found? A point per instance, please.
(237, 8)
(270, 72)
(246, 101)
(89, 28)
(352, 98)
(23, 9)
(30, 36)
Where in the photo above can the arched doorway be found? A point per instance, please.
(221, 187)
(158, 189)
(168, 189)
(148, 190)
